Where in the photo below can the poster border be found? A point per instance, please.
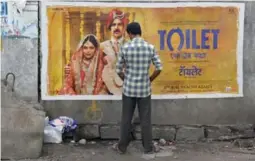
(44, 46)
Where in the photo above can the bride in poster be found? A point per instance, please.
(84, 74)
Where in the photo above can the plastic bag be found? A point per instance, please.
(54, 129)
(51, 134)
(64, 123)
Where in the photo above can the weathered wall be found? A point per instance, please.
(20, 56)
(16, 58)
(19, 49)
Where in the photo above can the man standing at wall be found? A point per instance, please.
(136, 56)
(116, 23)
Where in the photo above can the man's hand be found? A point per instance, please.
(121, 75)
(154, 75)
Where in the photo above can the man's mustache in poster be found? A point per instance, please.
(117, 30)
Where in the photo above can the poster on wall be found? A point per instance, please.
(200, 46)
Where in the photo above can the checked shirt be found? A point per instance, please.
(137, 56)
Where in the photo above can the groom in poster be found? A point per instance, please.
(116, 24)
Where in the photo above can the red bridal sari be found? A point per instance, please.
(85, 79)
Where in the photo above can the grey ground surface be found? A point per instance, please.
(101, 151)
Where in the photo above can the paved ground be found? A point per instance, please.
(101, 151)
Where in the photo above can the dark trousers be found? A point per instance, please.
(144, 109)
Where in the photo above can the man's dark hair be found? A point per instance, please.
(134, 28)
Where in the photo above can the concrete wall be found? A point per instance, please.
(16, 58)
(19, 52)
(22, 61)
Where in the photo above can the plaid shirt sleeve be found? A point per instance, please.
(120, 62)
(156, 60)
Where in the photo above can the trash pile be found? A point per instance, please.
(54, 129)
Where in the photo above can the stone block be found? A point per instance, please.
(215, 132)
(190, 133)
(22, 132)
(244, 131)
(229, 132)
(244, 143)
(138, 135)
(88, 131)
(158, 132)
(165, 132)
(109, 131)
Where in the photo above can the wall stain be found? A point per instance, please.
(93, 112)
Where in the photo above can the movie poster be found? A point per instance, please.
(200, 46)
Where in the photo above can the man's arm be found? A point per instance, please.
(157, 63)
(155, 74)
(120, 64)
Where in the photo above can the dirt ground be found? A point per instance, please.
(102, 151)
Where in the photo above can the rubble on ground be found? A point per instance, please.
(244, 143)
(82, 141)
(162, 141)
